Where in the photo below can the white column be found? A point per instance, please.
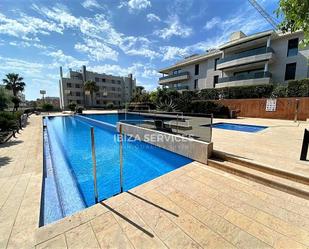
(268, 42)
(266, 67)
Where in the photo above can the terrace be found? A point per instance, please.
(193, 206)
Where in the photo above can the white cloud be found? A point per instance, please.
(61, 59)
(172, 53)
(26, 27)
(134, 5)
(146, 71)
(212, 23)
(153, 18)
(132, 45)
(174, 28)
(97, 50)
(91, 4)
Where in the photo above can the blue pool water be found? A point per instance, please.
(68, 182)
(239, 127)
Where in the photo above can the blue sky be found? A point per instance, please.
(114, 36)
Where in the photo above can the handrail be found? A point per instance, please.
(257, 51)
(174, 75)
(248, 76)
(94, 165)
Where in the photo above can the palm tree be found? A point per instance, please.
(15, 83)
(91, 87)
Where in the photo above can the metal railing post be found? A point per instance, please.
(177, 124)
(120, 157)
(94, 165)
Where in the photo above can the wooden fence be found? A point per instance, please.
(256, 108)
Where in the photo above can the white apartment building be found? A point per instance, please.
(114, 90)
(261, 58)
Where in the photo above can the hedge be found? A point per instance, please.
(298, 88)
(208, 107)
(295, 88)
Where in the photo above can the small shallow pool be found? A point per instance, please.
(239, 127)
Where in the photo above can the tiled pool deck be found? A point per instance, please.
(193, 207)
(278, 146)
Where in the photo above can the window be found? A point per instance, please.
(77, 93)
(118, 82)
(216, 63)
(113, 89)
(98, 102)
(177, 71)
(78, 102)
(292, 47)
(103, 80)
(77, 86)
(290, 71)
(69, 84)
(216, 79)
(96, 79)
(113, 81)
(196, 84)
(197, 69)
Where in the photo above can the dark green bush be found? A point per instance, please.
(298, 88)
(79, 110)
(72, 106)
(9, 121)
(110, 106)
(241, 92)
(279, 92)
(209, 94)
(47, 107)
(208, 107)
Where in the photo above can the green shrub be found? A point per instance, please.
(279, 92)
(209, 94)
(208, 107)
(72, 107)
(9, 121)
(47, 107)
(298, 88)
(79, 110)
(110, 106)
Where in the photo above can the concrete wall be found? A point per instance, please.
(194, 149)
(277, 68)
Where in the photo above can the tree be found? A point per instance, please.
(16, 101)
(91, 87)
(4, 99)
(47, 107)
(295, 17)
(14, 82)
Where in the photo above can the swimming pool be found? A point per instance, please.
(239, 127)
(68, 178)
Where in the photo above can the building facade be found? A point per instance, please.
(262, 58)
(113, 90)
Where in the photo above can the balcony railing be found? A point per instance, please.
(244, 54)
(174, 75)
(248, 76)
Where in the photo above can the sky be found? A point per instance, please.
(114, 36)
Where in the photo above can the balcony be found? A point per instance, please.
(245, 80)
(174, 78)
(246, 57)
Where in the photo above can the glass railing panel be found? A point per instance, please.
(244, 54)
(174, 75)
(248, 76)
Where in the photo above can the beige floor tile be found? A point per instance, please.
(57, 242)
(81, 237)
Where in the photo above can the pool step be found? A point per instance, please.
(274, 181)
